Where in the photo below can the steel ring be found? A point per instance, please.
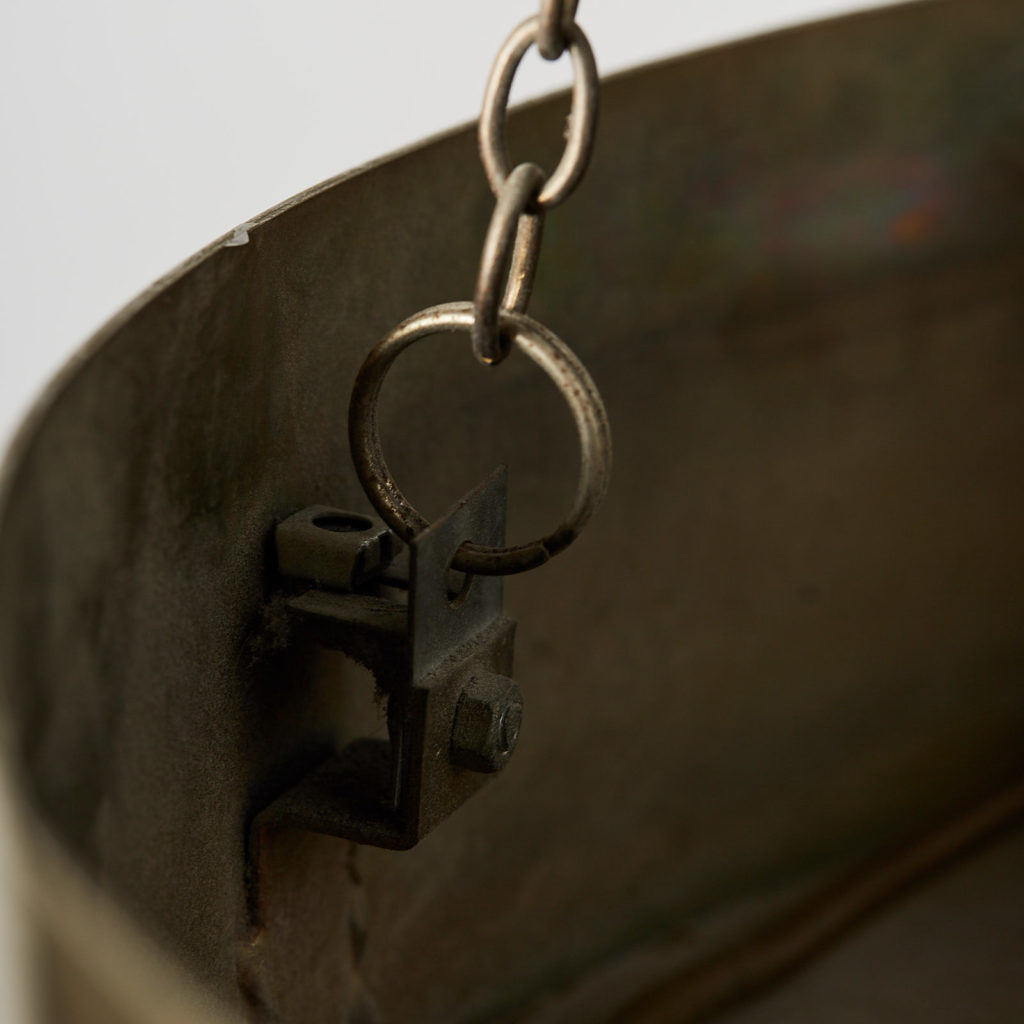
(555, 15)
(511, 250)
(569, 375)
(582, 119)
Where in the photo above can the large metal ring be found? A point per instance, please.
(511, 250)
(582, 120)
(555, 17)
(570, 377)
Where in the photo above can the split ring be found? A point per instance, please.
(582, 119)
(569, 375)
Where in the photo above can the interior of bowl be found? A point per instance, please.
(788, 646)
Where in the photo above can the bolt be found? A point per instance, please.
(487, 720)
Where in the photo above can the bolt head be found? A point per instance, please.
(487, 720)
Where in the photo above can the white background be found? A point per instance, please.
(135, 132)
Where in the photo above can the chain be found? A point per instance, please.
(496, 318)
(554, 30)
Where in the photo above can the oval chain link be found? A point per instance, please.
(512, 244)
(555, 17)
(582, 119)
(496, 318)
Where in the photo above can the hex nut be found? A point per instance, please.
(487, 720)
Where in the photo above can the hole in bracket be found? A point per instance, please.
(359, 708)
(343, 522)
(458, 585)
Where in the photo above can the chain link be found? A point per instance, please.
(582, 119)
(555, 14)
(555, 17)
(512, 244)
(496, 318)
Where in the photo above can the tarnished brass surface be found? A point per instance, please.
(790, 642)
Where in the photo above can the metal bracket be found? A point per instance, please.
(442, 660)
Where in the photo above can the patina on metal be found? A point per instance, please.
(773, 684)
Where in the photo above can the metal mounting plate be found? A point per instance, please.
(391, 793)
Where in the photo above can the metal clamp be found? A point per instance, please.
(443, 665)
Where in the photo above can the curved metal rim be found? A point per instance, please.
(582, 120)
(569, 375)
